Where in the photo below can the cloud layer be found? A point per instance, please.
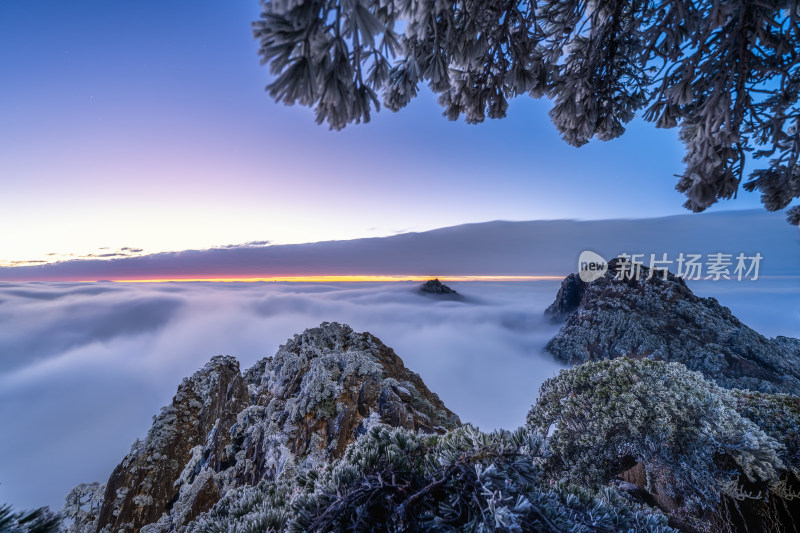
(84, 367)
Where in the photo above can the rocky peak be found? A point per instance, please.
(434, 286)
(197, 422)
(292, 411)
(568, 298)
(661, 319)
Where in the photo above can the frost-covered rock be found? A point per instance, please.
(195, 426)
(288, 414)
(300, 441)
(661, 319)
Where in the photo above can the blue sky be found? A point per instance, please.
(145, 124)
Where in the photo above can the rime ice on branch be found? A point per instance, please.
(727, 74)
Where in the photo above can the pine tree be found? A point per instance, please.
(38, 521)
(727, 74)
(82, 507)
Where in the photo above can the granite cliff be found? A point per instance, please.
(661, 319)
(226, 428)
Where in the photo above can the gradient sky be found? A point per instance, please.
(145, 124)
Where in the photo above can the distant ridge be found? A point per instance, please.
(548, 247)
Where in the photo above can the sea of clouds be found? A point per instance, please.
(84, 367)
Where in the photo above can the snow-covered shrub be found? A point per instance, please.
(318, 384)
(391, 479)
(249, 509)
(778, 415)
(82, 507)
(604, 417)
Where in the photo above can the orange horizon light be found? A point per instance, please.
(340, 278)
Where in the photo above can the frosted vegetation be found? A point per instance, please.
(702, 455)
(82, 507)
(706, 455)
(693, 438)
(38, 521)
(724, 73)
(395, 480)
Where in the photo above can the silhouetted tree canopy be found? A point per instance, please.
(724, 72)
(39, 521)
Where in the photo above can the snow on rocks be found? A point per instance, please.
(661, 319)
(225, 429)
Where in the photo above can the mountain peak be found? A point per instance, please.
(660, 318)
(323, 388)
(434, 286)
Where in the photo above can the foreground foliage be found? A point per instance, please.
(699, 444)
(394, 480)
(39, 521)
(714, 459)
(726, 73)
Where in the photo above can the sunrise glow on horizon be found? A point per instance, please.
(365, 278)
(349, 278)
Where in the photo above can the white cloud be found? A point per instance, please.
(84, 367)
